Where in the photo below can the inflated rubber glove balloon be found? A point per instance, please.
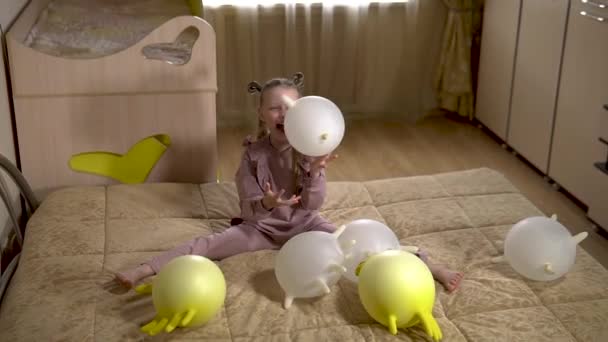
(308, 265)
(541, 248)
(397, 289)
(187, 292)
(314, 125)
(363, 238)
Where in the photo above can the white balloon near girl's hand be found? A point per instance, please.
(361, 238)
(309, 264)
(540, 248)
(314, 125)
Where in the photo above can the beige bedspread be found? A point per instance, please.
(79, 235)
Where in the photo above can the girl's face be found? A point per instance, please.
(272, 110)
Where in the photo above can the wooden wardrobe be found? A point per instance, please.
(543, 87)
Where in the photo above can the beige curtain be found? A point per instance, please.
(372, 60)
(454, 78)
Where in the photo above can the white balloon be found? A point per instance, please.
(308, 265)
(314, 125)
(361, 238)
(540, 248)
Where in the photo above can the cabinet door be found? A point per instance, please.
(498, 40)
(598, 202)
(583, 92)
(539, 49)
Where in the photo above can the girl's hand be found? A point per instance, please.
(272, 199)
(320, 163)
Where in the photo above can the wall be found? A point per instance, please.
(9, 9)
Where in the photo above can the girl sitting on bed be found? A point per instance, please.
(280, 193)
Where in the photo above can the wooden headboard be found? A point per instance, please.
(67, 106)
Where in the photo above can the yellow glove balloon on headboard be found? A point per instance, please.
(187, 292)
(131, 167)
(397, 289)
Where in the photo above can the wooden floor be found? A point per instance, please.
(382, 149)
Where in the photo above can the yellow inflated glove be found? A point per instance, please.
(397, 289)
(187, 292)
(131, 167)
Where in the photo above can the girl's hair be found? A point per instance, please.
(295, 82)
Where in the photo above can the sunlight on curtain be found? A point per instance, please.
(372, 60)
(246, 3)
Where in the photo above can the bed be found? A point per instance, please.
(79, 235)
(100, 75)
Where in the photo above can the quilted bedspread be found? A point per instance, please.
(63, 290)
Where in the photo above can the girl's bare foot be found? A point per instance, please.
(131, 277)
(449, 279)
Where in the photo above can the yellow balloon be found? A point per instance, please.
(397, 289)
(187, 292)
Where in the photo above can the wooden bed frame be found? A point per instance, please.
(63, 287)
(32, 204)
(65, 106)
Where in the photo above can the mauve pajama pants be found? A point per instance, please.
(234, 240)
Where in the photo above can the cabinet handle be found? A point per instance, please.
(593, 3)
(606, 106)
(603, 166)
(591, 16)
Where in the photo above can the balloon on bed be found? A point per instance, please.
(541, 248)
(314, 125)
(397, 289)
(187, 292)
(363, 238)
(308, 265)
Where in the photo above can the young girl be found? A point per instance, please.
(280, 193)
